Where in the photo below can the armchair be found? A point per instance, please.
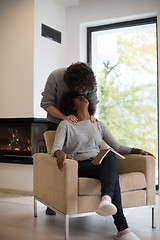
(65, 193)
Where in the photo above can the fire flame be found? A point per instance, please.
(18, 143)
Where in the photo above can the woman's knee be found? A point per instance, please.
(109, 159)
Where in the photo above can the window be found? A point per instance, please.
(123, 57)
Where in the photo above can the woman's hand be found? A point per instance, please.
(61, 158)
(141, 151)
(71, 118)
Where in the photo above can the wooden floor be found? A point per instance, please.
(18, 223)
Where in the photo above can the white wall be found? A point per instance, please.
(16, 58)
(26, 59)
(16, 78)
(16, 177)
(94, 12)
(48, 55)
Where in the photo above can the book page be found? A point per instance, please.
(99, 158)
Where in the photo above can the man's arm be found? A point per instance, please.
(56, 113)
(93, 118)
(95, 109)
(92, 96)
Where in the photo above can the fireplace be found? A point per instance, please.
(20, 138)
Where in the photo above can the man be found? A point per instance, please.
(78, 78)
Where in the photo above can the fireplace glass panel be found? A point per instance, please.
(15, 140)
(21, 138)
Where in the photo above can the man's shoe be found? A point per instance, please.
(50, 211)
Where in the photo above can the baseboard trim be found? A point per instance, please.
(15, 191)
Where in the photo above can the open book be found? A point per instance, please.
(99, 158)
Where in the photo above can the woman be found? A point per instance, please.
(81, 141)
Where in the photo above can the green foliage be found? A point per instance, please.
(127, 106)
(138, 51)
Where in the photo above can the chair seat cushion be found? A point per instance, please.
(128, 182)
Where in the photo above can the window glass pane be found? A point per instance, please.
(125, 63)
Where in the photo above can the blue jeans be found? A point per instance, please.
(106, 172)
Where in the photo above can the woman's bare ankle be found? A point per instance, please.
(106, 198)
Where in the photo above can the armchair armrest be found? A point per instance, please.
(144, 164)
(57, 188)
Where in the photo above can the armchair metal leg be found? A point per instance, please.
(66, 227)
(154, 217)
(35, 207)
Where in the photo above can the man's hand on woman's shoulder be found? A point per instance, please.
(71, 118)
(93, 119)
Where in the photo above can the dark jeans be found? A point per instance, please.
(106, 172)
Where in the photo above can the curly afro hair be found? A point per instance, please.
(67, 104)
(81, 75)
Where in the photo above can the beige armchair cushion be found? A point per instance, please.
(49, 139)
(144, 164)
(128, 182)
